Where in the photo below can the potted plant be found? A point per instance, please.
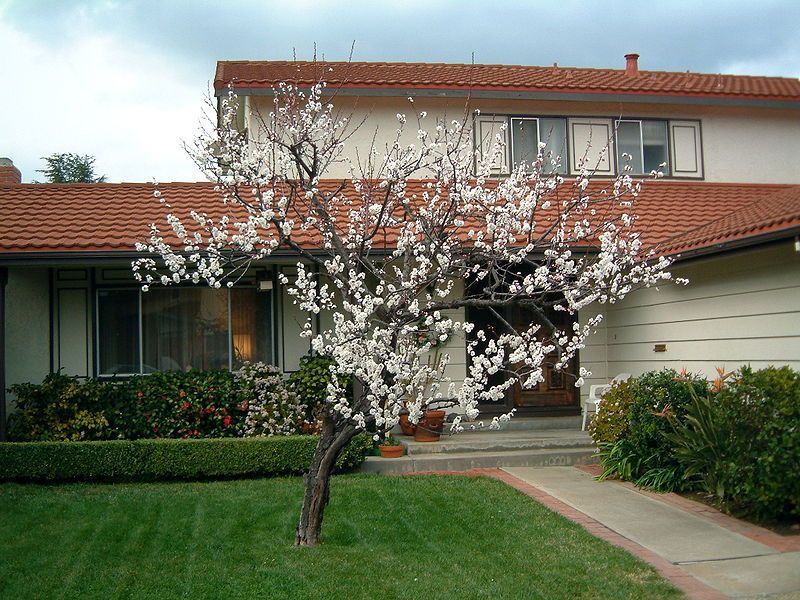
(407, 427)
(429, 428)
(390, 447)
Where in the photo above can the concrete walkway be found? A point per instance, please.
(735, 565)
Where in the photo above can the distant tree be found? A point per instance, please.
(66, 167)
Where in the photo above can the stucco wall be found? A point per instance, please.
(747, 145)
(741, 308)
(27, 324)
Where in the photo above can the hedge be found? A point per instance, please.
(165, 459)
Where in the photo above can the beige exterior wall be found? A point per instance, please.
(740, 145)
(740, 308)
(27, 324)
(594, 356)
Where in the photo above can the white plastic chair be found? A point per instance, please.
(596, 395)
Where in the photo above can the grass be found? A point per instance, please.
(384, 537)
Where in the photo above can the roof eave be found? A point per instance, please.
(736, 244)
(640, 98)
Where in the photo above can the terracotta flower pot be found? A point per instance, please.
(407, 426)
(429, 428)
(392, 451)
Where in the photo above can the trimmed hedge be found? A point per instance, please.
(165, 459)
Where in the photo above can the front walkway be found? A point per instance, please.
(704, 553)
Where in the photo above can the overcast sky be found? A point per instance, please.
(124, 80)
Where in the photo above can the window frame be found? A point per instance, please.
(140, 329)
(565, 157)
(616, 168)
(640, 120)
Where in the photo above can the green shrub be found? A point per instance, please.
(643, 451)
(177, 404)
(149, 460)
(613, 414)
(174, 404)
(743, 443)
(61, 408)
(310, 383)
(271, 408)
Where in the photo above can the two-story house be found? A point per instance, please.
(728, 208)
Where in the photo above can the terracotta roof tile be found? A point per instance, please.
(254, 74)
(74, 218)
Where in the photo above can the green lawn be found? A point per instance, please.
(384, 538)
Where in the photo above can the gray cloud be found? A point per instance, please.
(124, 79)
(675, 35)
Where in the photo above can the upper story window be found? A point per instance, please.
(646, 142)
(595, 143)
(528, 132)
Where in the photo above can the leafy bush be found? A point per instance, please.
(310, 383)
(176, 404)
(271, 408)
(61, 408)
(613, 414)
(742, 443)
(149, 460)
(643, 451)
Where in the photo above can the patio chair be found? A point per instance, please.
(596, 395)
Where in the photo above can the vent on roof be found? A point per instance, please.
(9, 174)
(631, 64)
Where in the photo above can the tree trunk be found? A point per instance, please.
(332, 441)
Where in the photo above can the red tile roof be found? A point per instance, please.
(111, 217)
(509, 78)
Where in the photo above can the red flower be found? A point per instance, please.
(227, 420)
(140, 394)
(185, 405)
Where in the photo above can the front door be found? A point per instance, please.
(557, 394)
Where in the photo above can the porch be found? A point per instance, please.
(523, 442)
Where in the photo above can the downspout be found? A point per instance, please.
(3, 282)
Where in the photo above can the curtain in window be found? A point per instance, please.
(250, 326)
(118, 332)
(185, 328)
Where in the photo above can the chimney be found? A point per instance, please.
(631, 64)
(9, 174)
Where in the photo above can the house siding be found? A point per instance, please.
(27, 344)
(739, 308)
(739, 145)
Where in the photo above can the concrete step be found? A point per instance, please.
(500, 441)
(464, 461)
(526, 424)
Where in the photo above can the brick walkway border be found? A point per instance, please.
(693, 588)
(776, 541)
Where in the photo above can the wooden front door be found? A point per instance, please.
(557, 394)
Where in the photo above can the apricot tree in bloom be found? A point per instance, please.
(397, 251)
